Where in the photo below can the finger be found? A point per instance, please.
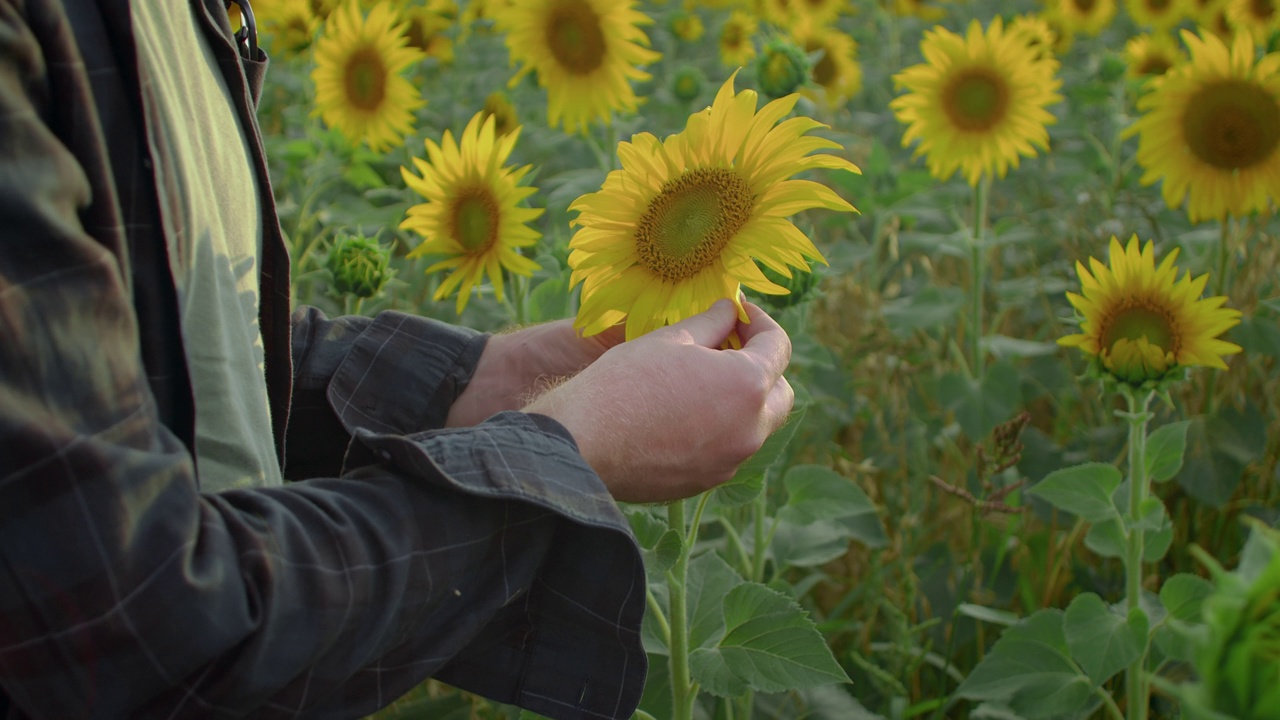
(765, 339)
(709, 328)
(778, 405)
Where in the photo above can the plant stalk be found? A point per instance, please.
(978, 257)
(681, 695)
(1136, 689)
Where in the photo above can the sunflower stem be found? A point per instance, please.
(1219, 286)
(682, 696)
(977, 249)
(1136, 688)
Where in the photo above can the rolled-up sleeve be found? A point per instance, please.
(125, 592)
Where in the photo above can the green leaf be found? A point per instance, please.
(710, 579)
(1107, 538)
(708, 668)
(1165, 448)
(817, 494)
(1101, 641)
(1183, 595)
(549, 300)
(1030, 670)
(1083, 490)
(363, 177)
(771, 644)
(748, 481)
(659, 545)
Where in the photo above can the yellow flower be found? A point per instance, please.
(1211, 129)
(285, 26)
(737, 45)
(978, 103)
(358, 86)
(1083, 17)
(1037, 33)
(1157, 14)
(472, 212)
(1141, 321)
(818, 13)
(1259, 17)
(837, 73)
(687, 26)
(685, 220)
(585, 52)
(1152, 55)
(923, 9)
(425, 30)
(499, 106)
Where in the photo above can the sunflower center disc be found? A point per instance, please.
(1141, 321)
(574, 36)
(1159, 6)
(824, 71)
(1084, 6)
(691, 220)
(1263, 10)
(365, 79)
(1232, 124)
(1154, 65)
(475, 219)
(976, 99)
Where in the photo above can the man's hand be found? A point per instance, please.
(669, 414)
(515, 367)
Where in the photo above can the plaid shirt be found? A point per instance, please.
(489, 557)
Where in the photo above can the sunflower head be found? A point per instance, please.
(499, 106)
(836, 75)
(359, 89)
(1211, 129)
(287, 27)
(472, 214)
(585, 53)
(685, 221)
(426, 30)
(978, 104)
(687, 25)
(1157, 14)
(1084, 17)
(1152, 55)
(781, 68)
(1257, 17)
(1141, 323)
(737, 39)
(1037, 33)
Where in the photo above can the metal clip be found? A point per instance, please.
(248, 32)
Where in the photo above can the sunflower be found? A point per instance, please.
(1152, 55)
(499, 106)
(687, 26)
(425, 30)
(358, 86)
(978, 103)
(1037, 33)
(1141, 322)
(817, 13)
(837, 73)
(736, 39)
(923, 9)
(472, 212)
(1211, 129)
(585, 52)
(286, 27)
(1157, 14)
(1083, 17)
(685, 220)
(1260, 17)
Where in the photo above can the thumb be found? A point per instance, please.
(711, 327)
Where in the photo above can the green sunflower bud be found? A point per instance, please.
(687, 26)
(1238, 658)
(359, 266)
(687, 83)
(1112, 68)
(781, 68)
(1273, 42)
(803, 286)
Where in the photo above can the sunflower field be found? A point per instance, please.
(1026, 252)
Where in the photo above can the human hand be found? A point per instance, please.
(669, 415)
(516, 366)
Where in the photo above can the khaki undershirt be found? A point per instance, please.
(219, 240)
